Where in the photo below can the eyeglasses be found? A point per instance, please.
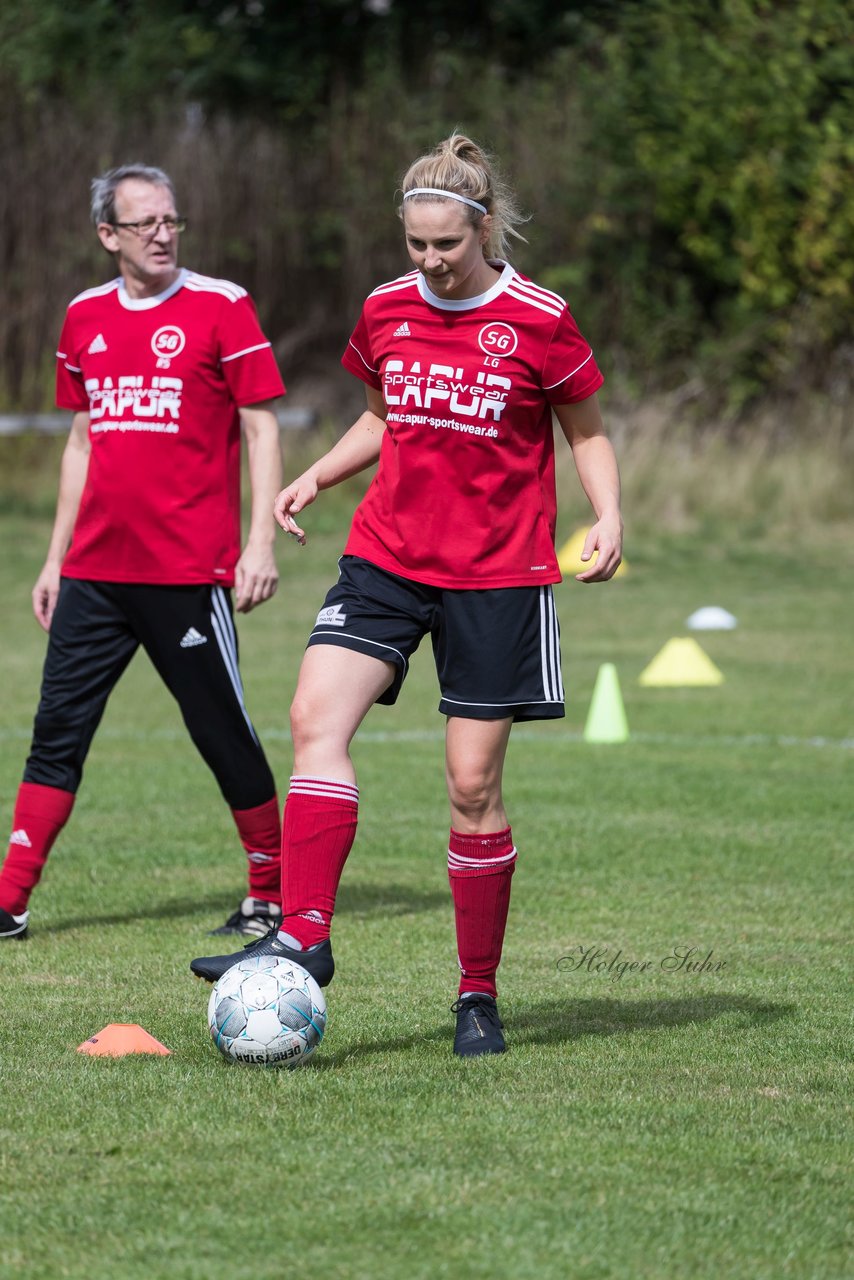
(147, 228)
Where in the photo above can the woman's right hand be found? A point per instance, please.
(298, 494)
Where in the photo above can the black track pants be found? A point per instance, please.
(188, 633)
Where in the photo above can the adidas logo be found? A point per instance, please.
(20, 837)
(402, 331)
(97, 344)
(193, 637)
(314, 916)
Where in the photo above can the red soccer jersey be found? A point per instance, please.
(464, 495)
(161, 379)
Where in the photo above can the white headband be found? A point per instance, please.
(450, 195)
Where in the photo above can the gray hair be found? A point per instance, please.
(104, 188)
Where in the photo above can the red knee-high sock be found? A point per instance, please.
(318, 831)
(260, 832)
(40, 814)
(480, 869)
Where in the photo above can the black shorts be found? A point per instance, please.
(497, 650)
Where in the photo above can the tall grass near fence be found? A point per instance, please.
(779, 478)
(783, 473)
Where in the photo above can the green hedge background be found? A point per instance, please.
(687, 167)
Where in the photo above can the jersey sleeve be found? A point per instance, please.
(246, 357)
(71, 392)
(358, 358)
(570, 372)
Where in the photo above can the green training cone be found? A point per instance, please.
(606, 719)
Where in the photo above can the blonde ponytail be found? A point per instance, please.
(459, 166)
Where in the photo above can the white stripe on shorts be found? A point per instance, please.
(550, 646)
(352, 635)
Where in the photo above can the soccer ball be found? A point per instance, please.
(268, 1012)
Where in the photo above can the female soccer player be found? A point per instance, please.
(464, 361)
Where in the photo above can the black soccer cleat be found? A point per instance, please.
(254, 918)
(317, 959)
(478, 1026)
(13, 928)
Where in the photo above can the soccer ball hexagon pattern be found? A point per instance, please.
(268, 1012)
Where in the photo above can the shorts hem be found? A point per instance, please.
(357, 644)
(518, 711)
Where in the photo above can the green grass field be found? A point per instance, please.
(659, 1124)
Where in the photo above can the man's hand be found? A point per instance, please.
(72, 479)
(255, 577)
(45, 594)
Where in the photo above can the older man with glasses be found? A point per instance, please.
(160, 367)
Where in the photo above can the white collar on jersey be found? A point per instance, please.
(468, 304)
(145, 304)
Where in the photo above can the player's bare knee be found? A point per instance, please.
(301, 722)
(311, 726)
(472, 795)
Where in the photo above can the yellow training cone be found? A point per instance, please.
(569, 557)
(681, 662)
(606, 719)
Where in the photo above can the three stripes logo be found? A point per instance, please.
(97, 345)
(20, 837)
(402, 331)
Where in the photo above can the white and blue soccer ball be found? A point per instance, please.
(266, 1011)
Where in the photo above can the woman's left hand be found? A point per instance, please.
(606, 538)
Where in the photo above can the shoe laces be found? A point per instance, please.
(486, 1008)
(253, 942)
